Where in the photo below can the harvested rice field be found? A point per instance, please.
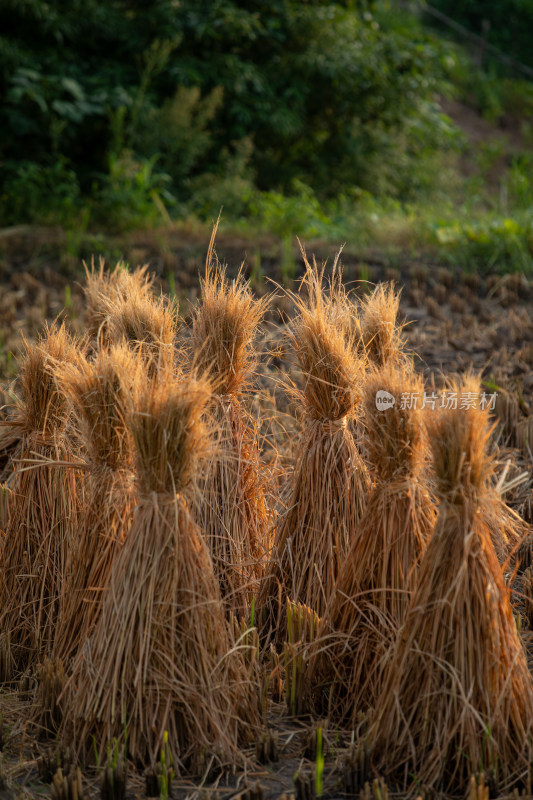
(261, 537)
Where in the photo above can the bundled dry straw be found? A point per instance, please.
(458, 697)
(380, 333)
(159, 658)
(98, 392)
(329, 483)
(103, 286)
(148, 326)
(43, 508)
(233, 510)
(370, 599)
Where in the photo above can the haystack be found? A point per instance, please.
(43, 508)
(233, 509)
(329, 484)
(458, 696)
(160, 657)
(98, 392)
(369, 602)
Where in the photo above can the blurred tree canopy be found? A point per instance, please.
(134, 101)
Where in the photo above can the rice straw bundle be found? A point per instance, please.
(43, 508)
(148, 325)
(380, 334)
(233, 510)
(98, 392)
(369, 602)
(458, 696)
(103, 286)
(159, 658)
(330, 482)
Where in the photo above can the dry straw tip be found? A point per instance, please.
(395, 433)
(99, 391)
(380, 333)
(44, 405)
(225, 323)
(325, 342)
(147, 324)
(170, 434)
(102, 286)
(459, 438)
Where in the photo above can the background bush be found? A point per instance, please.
(136, 109)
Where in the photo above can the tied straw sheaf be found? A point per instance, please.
(98, 392)
(44, 507)
(329, 482)
(161, 656)
(457, 694)
(233, 510)
(369, 601)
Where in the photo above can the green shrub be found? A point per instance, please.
(499, 243)
(133, 193)
(46, 194)
(207, 101)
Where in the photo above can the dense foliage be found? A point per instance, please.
(132, 108)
